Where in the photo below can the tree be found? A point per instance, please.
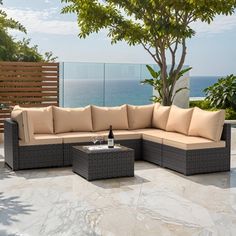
(25, 52)
(7, 46)
(18, 50)
(160, 26)
(9, 23)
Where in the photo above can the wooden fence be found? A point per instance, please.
(28, 84)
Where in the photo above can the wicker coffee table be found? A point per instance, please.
(103, 163)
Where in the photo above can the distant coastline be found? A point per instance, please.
(112, 92)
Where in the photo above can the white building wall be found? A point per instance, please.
(181, 98)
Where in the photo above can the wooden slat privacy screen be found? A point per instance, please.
(29, 84)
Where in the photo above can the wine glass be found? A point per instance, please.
(100, 140)
(95, 139)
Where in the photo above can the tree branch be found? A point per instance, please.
(180, 65)
(173, 52)
(154, 56)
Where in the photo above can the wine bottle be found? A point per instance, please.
(110, 140)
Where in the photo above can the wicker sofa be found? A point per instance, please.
(190, 141)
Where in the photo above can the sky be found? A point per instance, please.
(211, 52)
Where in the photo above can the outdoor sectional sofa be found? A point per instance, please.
(189, 141)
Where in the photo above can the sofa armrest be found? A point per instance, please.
(11, 143)
(226, 135)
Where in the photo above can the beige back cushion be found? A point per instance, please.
(72, 119)
(207, 124)
(41, 118)
(179, 119)
(160, 116)
(103, 117)
(140, 117)
(25, 130)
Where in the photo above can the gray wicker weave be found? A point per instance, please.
(39, 156)
(68, 152)
(11, 144)
(189, 162)
(152, 152)
(103, 164)
(135, 144)
(195, 161)
(28, 157)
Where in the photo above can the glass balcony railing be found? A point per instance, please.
(103, 84)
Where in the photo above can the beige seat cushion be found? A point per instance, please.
(178, 140)
(153, 135)
(160, 116)
(185, 142)
(120, 134)
(179, 119)
(41, 118)
(103, 117)
(140, 117)
(72, 119)
(207, 124)
(77, 137)
(25, 129)
(43, 139)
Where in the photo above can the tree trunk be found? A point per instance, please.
(166, 101)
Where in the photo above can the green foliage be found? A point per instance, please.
(230, 113)
(223, 93)
(14, 50)
(9, 23)
(139, 21)
(160, 26)
(203, 104)
(157, 83)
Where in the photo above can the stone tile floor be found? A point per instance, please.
(155, 202)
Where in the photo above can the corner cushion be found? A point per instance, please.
(25, 129)
(160, 116)
(41, 118)
(179, 119)
(140, 117)
(153, 135)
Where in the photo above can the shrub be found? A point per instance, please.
(222, 94)
(230, 113)
(203, 104)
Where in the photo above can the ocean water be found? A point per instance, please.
(81, 92)
(199, 83)
(111, 93)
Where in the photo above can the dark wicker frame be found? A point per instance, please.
(135, 144)
(68, 152)
(103, 164)
(187, 162)
(152, 152)
(29, 157)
